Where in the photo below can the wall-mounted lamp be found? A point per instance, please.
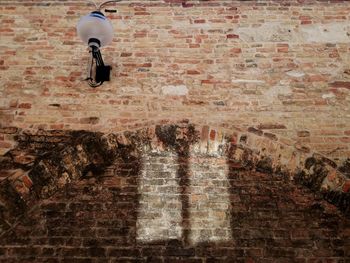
(96, 31)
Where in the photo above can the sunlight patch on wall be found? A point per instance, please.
(159, 215)
(209, 201)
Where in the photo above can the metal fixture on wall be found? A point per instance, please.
(96, 31)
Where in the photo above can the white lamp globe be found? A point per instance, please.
(95, 26)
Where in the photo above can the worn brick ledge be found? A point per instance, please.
(45, 161)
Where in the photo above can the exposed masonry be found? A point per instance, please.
(46, 161)
(219, 62)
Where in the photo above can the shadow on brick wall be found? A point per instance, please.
(96, 220)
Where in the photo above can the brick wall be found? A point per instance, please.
(92, 175)
(163, 207)
(279, 66)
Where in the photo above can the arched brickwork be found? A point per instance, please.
(49, 160)
(78, 207)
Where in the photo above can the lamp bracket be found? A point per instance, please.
(106, 3)
(94, 42)
(98, 71)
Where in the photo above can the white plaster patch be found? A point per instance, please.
(285, 82)
(278, 90)
(248, 81)
(326, 33)
(29, 92)
(131, 90)
(328, 96)
(180, 90)
(337, 32)
(122, 24)
(295, 73)
(268, 32)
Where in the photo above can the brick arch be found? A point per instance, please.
(63, 157)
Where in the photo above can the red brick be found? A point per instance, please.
(8, 130)
(345, 139)
(4, 144)
(25, 105)
(175, 1)
(212, 135)
(126, 54)
(57, 126)
(232, 36)
(306, 22)
(205, 134)
(303, 133)
(235, 50)
(283, 49)
(340, 84)
(27, 181)
(271, 126)
(194, 45)
(142, 13)
(193, 72)
(346, 187)
(199, 21)
(146, 65)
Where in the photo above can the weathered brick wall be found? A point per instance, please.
(266, 83)
(279, 66)
(161, 207)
